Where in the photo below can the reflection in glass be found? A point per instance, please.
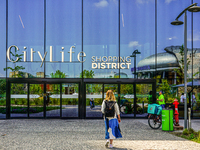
(126, 100)
(18, 100)
(101, 37)
(143, 96)
(70, 97)
(53, 100)
(94, 100)
(2, 98)
(137, 34)
(36, 100)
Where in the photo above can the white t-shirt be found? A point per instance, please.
(182, 99)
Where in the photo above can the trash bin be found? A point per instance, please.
(167, 119)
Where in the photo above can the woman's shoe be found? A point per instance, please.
(111, 146)
(107, 142)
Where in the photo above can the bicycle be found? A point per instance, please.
(154, 121)
(128, 108)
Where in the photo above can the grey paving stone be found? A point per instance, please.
(58, 134)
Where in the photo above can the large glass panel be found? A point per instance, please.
(36, 100)
(94, 99)
(170, 48)
(196, 61)
(127, 100)
(70, 98)
(101, 38)
(18, 100)
(52, 100)
(63, 37)
(26, 32)
(143, 98)
(3, 37)
(137, 32)
(2, 98)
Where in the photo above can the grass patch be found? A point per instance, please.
(189, 134)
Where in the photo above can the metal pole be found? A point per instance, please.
(135, 66)
(189, 118)
(185, 71)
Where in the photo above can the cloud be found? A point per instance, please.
(102, 3)
(168, 1)
(133, 44)
(143, 1)
(171, 38)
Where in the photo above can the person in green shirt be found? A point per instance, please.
(150, 99)
(161, 99)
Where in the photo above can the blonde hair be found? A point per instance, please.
(110, 95)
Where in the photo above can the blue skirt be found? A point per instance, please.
(112, 129)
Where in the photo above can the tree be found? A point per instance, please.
(180, 70)
(16, 68)
(87, 74)
(58, 74)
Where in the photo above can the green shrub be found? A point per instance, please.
(185, 132)
(191, 131)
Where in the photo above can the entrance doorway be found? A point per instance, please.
(76, 98)
(44, 99)
(131, 95)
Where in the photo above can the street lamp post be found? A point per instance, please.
(134, 85)
(191, 8)
(134, 55)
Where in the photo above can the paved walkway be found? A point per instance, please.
(85, 134)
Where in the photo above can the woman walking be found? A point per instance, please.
(110, 109)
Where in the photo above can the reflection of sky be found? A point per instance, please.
(100, 28)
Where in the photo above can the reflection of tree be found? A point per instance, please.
(16, 68)
(87, 74)
(18, 89)
(180, 70)
(165, 87)
(58, 74)
(35, 90)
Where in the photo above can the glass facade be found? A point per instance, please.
(98, 39)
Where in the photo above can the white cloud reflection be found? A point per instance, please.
(168, 1)
(101, 3)
(134, 44)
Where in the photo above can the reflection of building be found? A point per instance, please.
(111, 74)
(20, 74)
(39, 74)
(166, 63)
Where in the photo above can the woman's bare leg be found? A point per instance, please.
(111, 141)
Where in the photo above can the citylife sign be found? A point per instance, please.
(110, 62)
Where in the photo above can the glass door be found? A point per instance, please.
(18, 100)
(144, 96)
(94, 99)
(126, 100)
(36, 100)
(52, 98)
(70, 100)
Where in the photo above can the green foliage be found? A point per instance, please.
(2, 86)
(191, 131)
(185, 132)
(16, 68)
(58, 74)
(87, 74)
(165, 87)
